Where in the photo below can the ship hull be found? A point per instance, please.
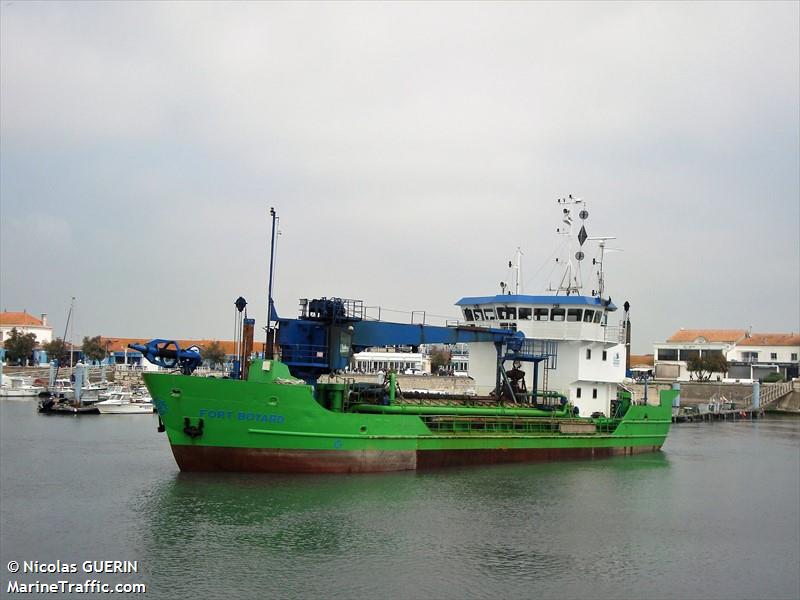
(252, 426)
(271, 460)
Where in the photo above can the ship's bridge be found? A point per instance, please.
(545, 317)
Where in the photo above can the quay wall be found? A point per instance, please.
(696, 392)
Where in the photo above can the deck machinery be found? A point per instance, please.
(329, 330)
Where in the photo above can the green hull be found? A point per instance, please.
(265, 426)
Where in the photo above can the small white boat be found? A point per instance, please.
(65, 389)
(125, 403)
(18, 387)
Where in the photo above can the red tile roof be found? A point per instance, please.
(120, 344)
(19, 318)
(709, 335)
(771, 339)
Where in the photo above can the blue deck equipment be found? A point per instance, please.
(168, 354)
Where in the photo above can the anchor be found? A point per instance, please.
(193, 431)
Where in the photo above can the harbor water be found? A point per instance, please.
(715, 515)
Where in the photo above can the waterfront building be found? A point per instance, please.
(750, 356)
(25, 323)
(374, 360)
(760, 354)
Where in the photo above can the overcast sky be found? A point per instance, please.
(408, 148)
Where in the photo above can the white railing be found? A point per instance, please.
(769, 393)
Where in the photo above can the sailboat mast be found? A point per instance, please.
(63, 339)
(72, 333)
(270, 330)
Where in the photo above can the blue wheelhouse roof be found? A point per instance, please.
(522, 299)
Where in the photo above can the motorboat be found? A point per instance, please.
(18, 387)
(125, 403)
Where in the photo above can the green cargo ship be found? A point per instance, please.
(267, 424)
(302, 414)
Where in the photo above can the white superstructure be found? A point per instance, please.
(591, 342)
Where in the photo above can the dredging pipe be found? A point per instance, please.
(405, 409)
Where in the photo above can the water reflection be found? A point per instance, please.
(454, 525)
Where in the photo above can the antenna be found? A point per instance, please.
(600, 276)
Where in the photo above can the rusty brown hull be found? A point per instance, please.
(267, 460)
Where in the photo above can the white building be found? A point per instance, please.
(380, 360)
(25, 323)
(760, 354)
(749, 355)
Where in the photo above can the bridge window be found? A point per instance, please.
(468, 314)
(557, 314)
(541, 314)
(588, 354)
(773, 356)
(594, 392)
(794, 355)
(597, 316)
(578, 392)
(511, 312)
(478, 314)
(588, 315)
(524, 314)
(605, 355)
(574, 315)
(489, 314)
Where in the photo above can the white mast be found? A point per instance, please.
(571, 278)
(72, 331)
(518, 273)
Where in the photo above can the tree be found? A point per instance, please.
(57, 350)
(19, 346)
(213, 354)
(93, 348)
(440, 358)
(703, 366)
(774, 377)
